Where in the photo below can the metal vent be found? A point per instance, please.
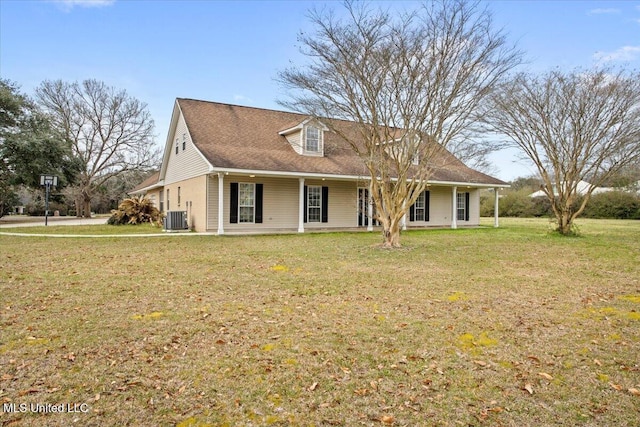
(175, 220)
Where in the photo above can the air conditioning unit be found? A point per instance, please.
(176, 220)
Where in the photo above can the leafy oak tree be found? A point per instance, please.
(29, 147)
(109, 132)
(411, 83)
(573, 126)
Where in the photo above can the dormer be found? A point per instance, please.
(307, 137)
(406, 147)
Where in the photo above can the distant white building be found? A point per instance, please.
(582, 188)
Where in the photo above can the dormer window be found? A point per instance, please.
(312, 139)
(306, 137)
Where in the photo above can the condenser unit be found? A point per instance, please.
(175, 220)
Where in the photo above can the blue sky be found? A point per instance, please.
(231, 51)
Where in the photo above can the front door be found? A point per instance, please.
(363, 208)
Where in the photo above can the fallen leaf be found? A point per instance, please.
(529, 388)
(387, 419)
(616, 386)
(480, 363)
(634, 391)
(545, 376)
(313, 386)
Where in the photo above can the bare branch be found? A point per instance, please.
(583, 125)
(412, 83)
(110, 131)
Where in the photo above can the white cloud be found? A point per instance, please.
(625, 53)
(67, 5)
(607, 11)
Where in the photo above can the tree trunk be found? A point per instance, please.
(78, 203)
(86, 208)
(391, 235)
(564, 223)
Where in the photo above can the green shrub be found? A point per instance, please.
(516, 204)
(135, 210)
(613, 204)
(487, 203)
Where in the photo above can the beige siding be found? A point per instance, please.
(154, 196)
(280, 205)
(474, 207)
(343, 204)
(188, 163)
(212, 203)
(295, 139)
(192, 200)
(440, 207)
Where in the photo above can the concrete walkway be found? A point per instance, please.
(12, 221)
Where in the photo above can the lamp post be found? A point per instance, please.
(47, 181)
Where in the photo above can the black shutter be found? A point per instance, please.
(427, 196)
(412, 212)
(305, 203)
(466, 206)
(258, 203)
(325, 204)
(233, 209)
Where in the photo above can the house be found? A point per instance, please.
(235, 169)
(582, 187)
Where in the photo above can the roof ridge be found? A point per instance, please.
(267, 109)
(241, 106)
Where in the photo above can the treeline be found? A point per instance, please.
(98, 141)
(518, 203)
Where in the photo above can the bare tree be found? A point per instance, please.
(411, 83)
(573, 126)
(110, 132)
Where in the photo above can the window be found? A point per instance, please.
(161, 201)
(314, 203)
(246, 202)
(168, 208)
(176, 145)
(312, 141)
(419, 207)
(462, 205)
(419, 211)
(184, 141)
(178, 196)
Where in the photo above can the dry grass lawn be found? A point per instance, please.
(473, 327)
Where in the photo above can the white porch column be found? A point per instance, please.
(370, 208)
(301, 206)
(454, 207)
(496, 192)
(220, 203)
